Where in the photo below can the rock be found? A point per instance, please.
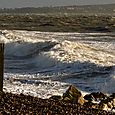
(96, 96)
(105, 102)
(113, 95)
(73, 95)
(89, 97)
(108, 104)
(55, 97)
(99, 95)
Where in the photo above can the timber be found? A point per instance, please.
(1, 65)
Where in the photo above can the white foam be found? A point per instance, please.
(73, 55)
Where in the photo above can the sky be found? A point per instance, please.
(41, 3)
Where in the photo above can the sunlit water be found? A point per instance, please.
(45, 63)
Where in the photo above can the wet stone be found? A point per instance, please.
(108, 104)
(95, 96)
(73, 95)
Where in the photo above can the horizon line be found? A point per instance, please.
(53, 6)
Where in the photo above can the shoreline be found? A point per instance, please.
(26, 104)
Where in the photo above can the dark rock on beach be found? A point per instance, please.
(108, 103)
(73, 95)
(95, 96)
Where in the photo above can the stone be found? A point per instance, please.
(99, 95)
(113, 95)
(89, 97)
(108, 104)
(55, 97)
(95, 96)
(73, 95)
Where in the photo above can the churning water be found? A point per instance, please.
(45, 63)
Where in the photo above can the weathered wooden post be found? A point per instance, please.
(1, 65)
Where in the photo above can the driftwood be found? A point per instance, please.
(1, 65)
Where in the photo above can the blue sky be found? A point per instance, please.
(37, 3)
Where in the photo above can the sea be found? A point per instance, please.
(43, 64)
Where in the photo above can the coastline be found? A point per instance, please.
(26, 104)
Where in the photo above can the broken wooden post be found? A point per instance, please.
(1, 65)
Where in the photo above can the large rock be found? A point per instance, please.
(107, 104)
(95, 96)
(73, 95)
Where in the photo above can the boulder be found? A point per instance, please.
(108, 104)
(95, 96)
(73, 95)
(89, 97)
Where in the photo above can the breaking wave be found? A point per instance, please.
(86, 60)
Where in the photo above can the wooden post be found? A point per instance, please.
(1, 65)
